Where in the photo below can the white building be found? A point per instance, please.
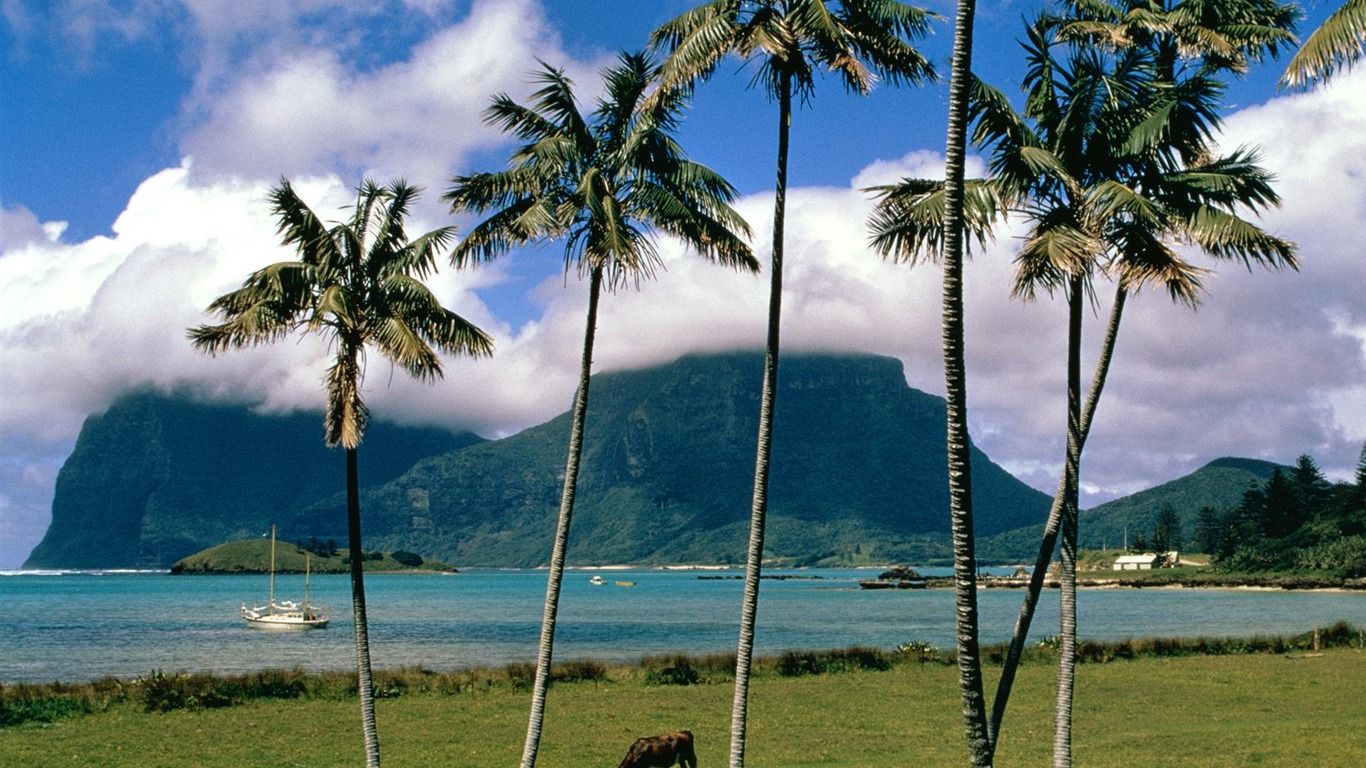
(1143, 562)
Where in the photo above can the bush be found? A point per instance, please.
(679, 671)
(31, 706)
(165, 693)
(522, 675)
(798, 663)
(579, 672)
(403, 557)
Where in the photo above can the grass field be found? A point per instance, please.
(1263, 709)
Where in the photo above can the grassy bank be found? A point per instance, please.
(1269, 701)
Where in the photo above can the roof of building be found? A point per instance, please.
(1144, 558)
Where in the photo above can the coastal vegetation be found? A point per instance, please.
(1214, 702)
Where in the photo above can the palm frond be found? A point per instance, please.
(607, 191)
(907, 222)
(696, 42)
(1336, 45)
(346, 417)
(1226, 236)
(1058, 249)
(298, 225)
(1144, 258)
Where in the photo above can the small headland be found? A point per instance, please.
(253, 556)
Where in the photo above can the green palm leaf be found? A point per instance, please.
(1337, 44)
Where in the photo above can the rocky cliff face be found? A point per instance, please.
(156, 478)
(668, 467)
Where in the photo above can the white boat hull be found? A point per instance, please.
(284, 618)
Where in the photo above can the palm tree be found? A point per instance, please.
(1095, 166)
(1116, 169)
(1337, 44)
(1179, 117)
(600, 185)
(955, 395)
(789, 41)
(358, 284)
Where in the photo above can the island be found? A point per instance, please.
(253, 556)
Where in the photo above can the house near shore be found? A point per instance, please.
(1144, 562)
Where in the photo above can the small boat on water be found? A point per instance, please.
(597, 581)
(626, 583)
(285, 614)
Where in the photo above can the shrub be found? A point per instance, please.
(27, 705)
(522, 675)
(404, 557)
(579, 671)
(798, 663)
(165, 693)
(679, 671)
(919, 651)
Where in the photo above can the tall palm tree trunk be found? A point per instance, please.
(364, 678)
(759, 503)
(571, 480)
(1049, 542)
(955, 393)
(1067, 579)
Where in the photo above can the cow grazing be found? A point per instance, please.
(661, 751)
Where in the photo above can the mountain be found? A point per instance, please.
(668, 467)
(858, 468)
(156, 478)
(1219, 484)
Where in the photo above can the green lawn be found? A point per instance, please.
(1193, 712)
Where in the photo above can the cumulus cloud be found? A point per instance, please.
(312, 110)
(19, 227)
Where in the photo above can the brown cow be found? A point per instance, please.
(661, 751)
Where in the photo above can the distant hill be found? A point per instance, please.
(1219, 484)
(858, 468)
(253, 556)
(156, 478)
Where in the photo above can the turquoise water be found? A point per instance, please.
(81, 626)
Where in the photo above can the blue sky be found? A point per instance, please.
(140, 138)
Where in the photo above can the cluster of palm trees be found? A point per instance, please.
(1110, 164)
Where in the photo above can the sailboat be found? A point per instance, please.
(286, 614)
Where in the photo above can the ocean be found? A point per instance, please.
(80, 626)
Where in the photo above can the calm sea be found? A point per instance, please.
(83, 625)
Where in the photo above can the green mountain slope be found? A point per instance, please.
(667, 473)
(1219, 484)
(668, 468)
(156, 478)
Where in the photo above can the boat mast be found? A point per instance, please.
(272, 569)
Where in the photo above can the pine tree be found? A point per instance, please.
(1209, 530)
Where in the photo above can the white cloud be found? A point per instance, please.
(311, 109)
(19, 226)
